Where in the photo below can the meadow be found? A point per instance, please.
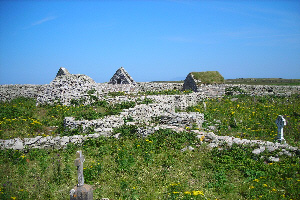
(154, 167)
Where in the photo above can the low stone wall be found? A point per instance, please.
(261, 90)
(212, 141)
(65, 89)
(140, 114)
(9, 92)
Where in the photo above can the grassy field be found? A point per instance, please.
(252, 117)
(154, 167)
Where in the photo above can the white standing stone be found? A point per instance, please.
(280, 122)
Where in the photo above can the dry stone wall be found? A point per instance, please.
(9, 92)
(261, 90)
(67, 87)
(64, 88)
(140, 114)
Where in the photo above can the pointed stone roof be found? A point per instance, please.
(62, 71)
(121, 77)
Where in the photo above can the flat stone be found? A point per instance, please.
(271, 148)
(259, 150)
(273, 159)
(18, 144)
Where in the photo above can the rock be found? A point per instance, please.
(259, 150)
(210, 136)
(190, 148)
(273, 159)
(117, 135)
(212, 128)
(17, 144)
(212, 145)
(271, 148)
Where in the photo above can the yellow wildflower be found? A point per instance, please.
(195, 193)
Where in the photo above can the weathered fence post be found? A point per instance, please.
(280, 122)
(81, 191)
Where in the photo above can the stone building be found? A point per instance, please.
(121, 77)
(195, 79)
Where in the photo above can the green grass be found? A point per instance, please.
(253, 117)
(208, 77)
(149, 168)
(21, 118)
(155, 167)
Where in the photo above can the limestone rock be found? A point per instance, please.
(259, 150)
(273, 159)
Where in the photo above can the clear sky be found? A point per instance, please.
(152, 40)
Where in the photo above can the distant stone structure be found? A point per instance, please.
(62, 71)
(121, 77)
(195, 79)
(190, 83)
(66, 87)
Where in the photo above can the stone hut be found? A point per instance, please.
(195, 79)
(121, 77)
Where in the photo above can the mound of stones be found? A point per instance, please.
(66, 87)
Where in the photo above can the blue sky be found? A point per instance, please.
(152, 40)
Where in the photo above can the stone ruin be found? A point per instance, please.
(67, 86)
(62, 72)
(121, 77)
(196, 79)
(190, 83)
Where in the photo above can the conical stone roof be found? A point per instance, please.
(121, 77)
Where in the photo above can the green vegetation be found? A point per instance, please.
(208, 77)
(21, 118)
(149, 168)
(252, 117)
(263, 81)
(154, 167)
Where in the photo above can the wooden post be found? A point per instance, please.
(81, 191)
